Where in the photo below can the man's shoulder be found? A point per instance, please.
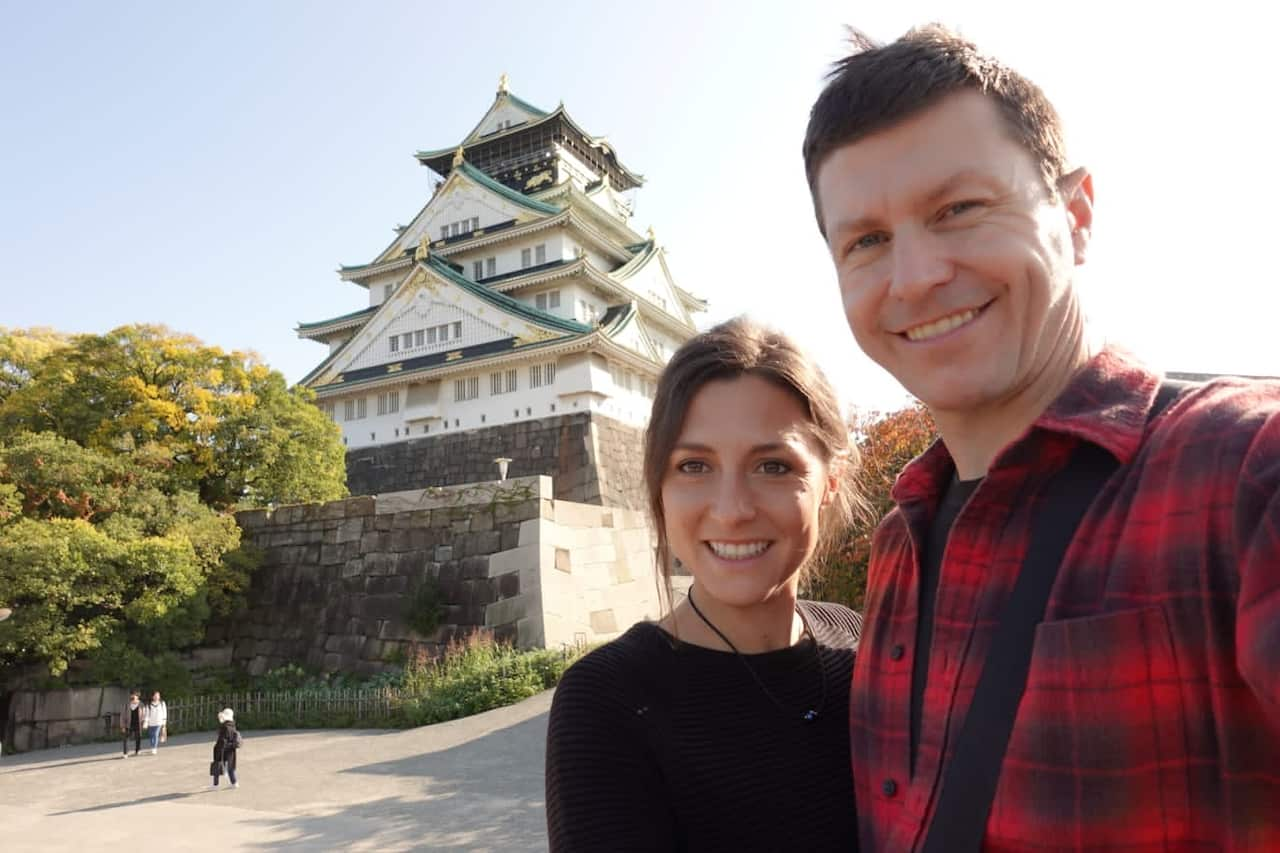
(1223, 412)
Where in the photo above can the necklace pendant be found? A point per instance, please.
(809, 716)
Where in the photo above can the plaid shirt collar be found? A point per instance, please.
(1105, 403)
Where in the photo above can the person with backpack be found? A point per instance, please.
(225, 749)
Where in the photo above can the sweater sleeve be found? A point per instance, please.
(604, 788)
(1257, 523)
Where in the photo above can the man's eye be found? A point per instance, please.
(866, 241)
(774, 466)
(959, 207)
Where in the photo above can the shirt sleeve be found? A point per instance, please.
(1258, 538)
(604, 788)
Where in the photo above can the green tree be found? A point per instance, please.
(96, 548)
(219, 423)
(886, 443)
(121, 458)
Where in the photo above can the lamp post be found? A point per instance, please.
(502, 462)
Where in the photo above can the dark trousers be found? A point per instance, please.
(228, 760)
(137, 740)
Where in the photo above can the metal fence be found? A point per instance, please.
(276, 708)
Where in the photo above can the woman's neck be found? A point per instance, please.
(764, 627)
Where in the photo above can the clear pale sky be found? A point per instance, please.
(209, 166)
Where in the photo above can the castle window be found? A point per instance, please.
(540, 253)
(457, 329)
(495, 383)
(431, 335)
(406, 340)
(553, 299)
(417, 338)
(349, 410)
(526, 259)
(444, 232)
(549, 373)
(394, 343)
(475, 223)
(540, 302)
(477, 270)
(362, 408)
(511, 381)
(535, 376)
(386, 292)
(490, 266)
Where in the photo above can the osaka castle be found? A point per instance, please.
(520, 290)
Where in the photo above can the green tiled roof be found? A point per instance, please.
(302, 327)
(505, 191)
(506, 303)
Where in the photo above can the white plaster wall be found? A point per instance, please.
(507, 112)
(572, 168)
(422, 312)
(378, 285)
(507, 255)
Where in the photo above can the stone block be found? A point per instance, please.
(475, 567)
(86, 703)
(387, 606)
(510, 534)
(562, 562)
(481, 521)
(508, 633)
(379, 564)
(252, 519)
(504, 611)
(411, 564)
(353, 568)
(333, 510)
(349, 530)
(488, 542)
(604, 622)
(332, 662)
(371, 542)
(460, 526)
(258, 666)
(508, 585)
(443, 553)
(515, 559)
(332, 554)
(361, 506)
(372, 649)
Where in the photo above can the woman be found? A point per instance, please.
(724, 725)
(155, 718)
(131, 723)
(225, 748)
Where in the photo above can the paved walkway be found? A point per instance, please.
(471, 784)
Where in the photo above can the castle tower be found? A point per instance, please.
(520, 292)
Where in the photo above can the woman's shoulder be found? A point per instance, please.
(834, 624)
(612, 671)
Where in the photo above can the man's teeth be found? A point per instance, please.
(940, 327)
(738, 552)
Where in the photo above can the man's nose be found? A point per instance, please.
(920, 263)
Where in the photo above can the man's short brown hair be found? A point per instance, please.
(879, 85)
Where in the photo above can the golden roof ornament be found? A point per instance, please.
(650, 234)
(424, 249)
(458, 157)
(504, 84)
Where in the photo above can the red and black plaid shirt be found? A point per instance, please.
(1151, 719)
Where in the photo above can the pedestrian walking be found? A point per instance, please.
(225, 749)
(131, 723)
(155, 716)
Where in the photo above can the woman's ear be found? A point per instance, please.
(835, 475)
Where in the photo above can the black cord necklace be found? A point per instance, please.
(808, 716)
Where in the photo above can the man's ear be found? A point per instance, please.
(1077, 195)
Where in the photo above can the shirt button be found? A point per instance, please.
(897, 652)
(889, 787)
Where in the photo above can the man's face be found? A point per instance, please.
(954, 260)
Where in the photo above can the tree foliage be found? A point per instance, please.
(220, 423)
(886, 442)
(121, 458)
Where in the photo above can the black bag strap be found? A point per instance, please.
(970, 777)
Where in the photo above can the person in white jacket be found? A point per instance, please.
(155, 716)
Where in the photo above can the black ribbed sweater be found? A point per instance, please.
(656, 745)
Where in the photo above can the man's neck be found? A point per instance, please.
(975, 437)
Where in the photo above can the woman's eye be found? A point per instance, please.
(691, 466)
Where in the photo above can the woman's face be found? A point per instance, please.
(743, 489)
(155, 697)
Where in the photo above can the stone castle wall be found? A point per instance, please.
(592, 459)
(336, 582)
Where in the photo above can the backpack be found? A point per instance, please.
(237, 740)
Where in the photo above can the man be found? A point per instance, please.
(1151, 713)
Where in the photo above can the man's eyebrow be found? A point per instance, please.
(929, 197)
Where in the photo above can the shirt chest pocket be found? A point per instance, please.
(1098, 754)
